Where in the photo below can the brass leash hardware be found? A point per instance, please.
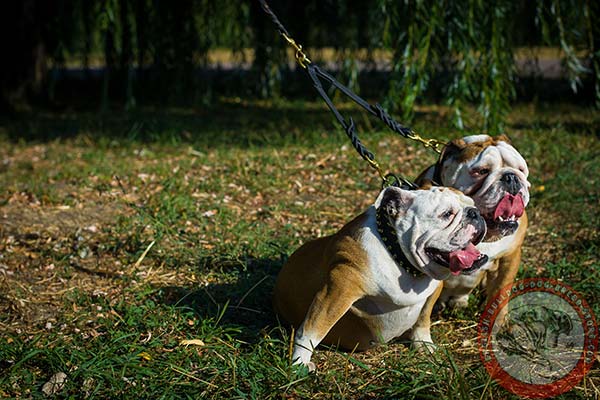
(398, 181)
(301, 58)
(433, 144)
(374, 164)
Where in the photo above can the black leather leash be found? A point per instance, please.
(317, 75)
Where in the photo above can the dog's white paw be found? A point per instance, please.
(421, 340)
(439, 307)
(301, 356)
(459, 301)
(309, 365)
(424, 347)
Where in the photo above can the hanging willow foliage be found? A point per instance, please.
(472, 43)
(464, 50)
(470, 46)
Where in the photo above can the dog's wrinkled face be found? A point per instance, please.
(437, 229)
(491, 172)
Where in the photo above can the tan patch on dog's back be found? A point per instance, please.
(301, 277)
(353, 226)
(428, 184)
(453, 190)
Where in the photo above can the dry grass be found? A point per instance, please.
(159, 241)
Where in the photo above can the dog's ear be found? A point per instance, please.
(395, 201)
(426, 184)
(452, 149)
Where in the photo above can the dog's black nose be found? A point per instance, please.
(511, 182)
(473, 213)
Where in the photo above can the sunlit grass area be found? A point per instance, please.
(122, 236)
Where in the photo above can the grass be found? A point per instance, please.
(122, 235)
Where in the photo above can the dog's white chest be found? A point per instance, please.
(396, 298)
(496, 249)
(391, 321)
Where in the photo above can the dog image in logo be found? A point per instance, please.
(538, 338)
(537, 334)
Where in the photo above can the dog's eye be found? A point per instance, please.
(448, 214)
(480, 171)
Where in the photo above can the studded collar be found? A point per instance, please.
(390, 240)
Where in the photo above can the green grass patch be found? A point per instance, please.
(123, 235)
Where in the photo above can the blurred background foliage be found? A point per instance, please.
(125, 53)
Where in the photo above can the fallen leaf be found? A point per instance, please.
(209, 213)
(195, 342)
(55, 384)
(91, 228)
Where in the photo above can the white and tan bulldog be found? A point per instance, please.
(370, 282)
(494, 174)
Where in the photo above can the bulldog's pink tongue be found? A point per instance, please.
(463, 259)
(510, 205)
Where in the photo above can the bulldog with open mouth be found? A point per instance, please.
(494, 174)
(371, 281)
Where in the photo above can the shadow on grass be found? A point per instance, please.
(230, 122)
(227, 123)
(246, 301)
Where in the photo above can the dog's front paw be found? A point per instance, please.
(301, 356)
(439, 307)
(308, 367)
(421, 340)
(459, 301)
(424, 347)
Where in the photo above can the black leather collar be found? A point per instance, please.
(437, 169)
(390, 241)
(437, 173)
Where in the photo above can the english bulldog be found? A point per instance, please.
(371, 281)
(493, 173)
